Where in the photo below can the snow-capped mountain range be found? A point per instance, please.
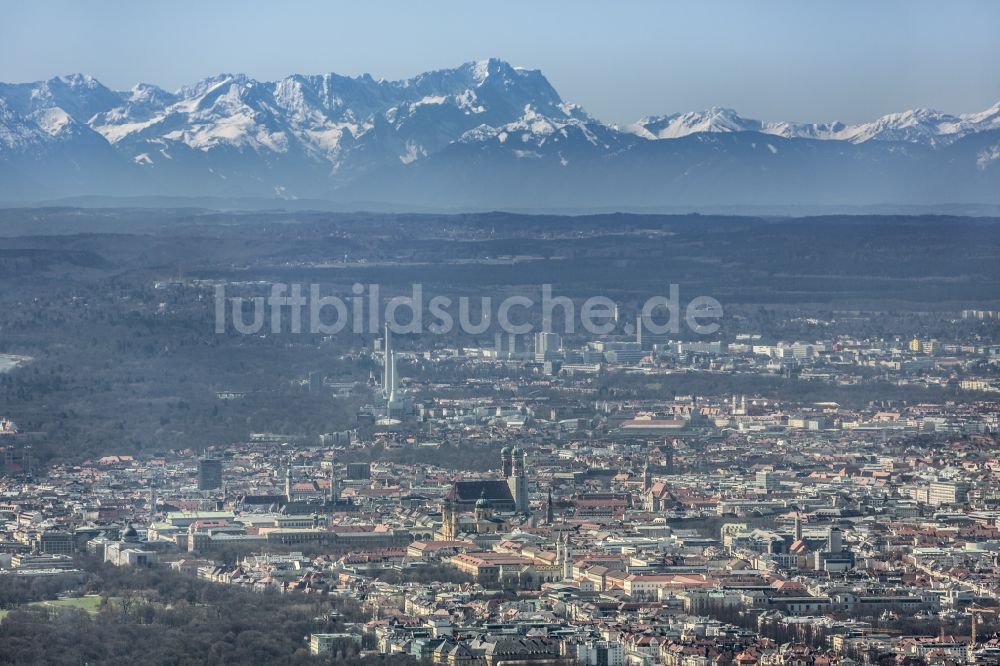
(482, 134)
(922, 126)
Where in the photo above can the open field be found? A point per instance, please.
(90, 603)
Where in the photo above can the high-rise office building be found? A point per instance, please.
(359, 471)
(209, 474)
(547, 346)
(507, 345)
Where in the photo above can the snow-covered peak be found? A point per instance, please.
(983, 120)
(211, 83)
(77, 81)
(480, 71)
(533, 129)
(145, 93)
(54, 121)
(716, 119)
(79, 95)
(915, 125)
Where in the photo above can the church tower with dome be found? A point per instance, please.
(516, 477)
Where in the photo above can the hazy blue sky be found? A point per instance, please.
(780, 59)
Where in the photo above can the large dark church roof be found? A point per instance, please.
(494, 490)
